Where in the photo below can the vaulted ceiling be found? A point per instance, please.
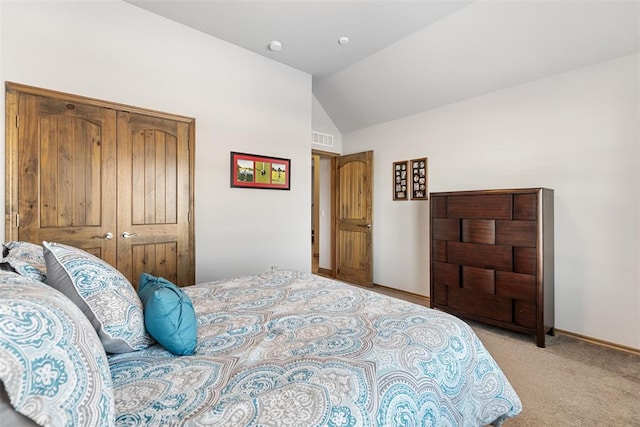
(405, 57)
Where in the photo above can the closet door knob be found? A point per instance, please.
(126, 235)
(106, 236)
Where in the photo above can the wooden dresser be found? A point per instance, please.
(492, 257)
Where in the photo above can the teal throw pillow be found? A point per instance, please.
(168, 314)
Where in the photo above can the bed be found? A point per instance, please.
(280, 348)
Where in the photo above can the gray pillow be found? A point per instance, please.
(8, 415)
(104, 295)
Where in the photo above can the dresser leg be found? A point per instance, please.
(540, 339)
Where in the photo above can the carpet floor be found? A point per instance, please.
(569, 383)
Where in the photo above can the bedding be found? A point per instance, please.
(24, 258)
(52, 364)
(281, 348)
(291, 349)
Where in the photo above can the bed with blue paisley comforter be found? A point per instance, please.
(291, 349)
(80, 347)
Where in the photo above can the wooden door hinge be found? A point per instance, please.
(17, 220)
(17, 121)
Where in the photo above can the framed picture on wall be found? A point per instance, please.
(419, 189)
(255, 171)
(401, 180)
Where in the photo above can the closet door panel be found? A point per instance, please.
(154, 170)
(71, 167)
(162, 256)
(153, 200)
(67, 163)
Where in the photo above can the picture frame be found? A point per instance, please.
(419, 179)
(401, 180)
(257, 171)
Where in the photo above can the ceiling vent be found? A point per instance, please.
(322, 139)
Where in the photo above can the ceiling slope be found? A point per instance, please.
(308, 30)
(484, 47)
(406, 57)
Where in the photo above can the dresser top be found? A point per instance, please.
(494, 191)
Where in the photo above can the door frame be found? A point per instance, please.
(316, 209)
(315, 212)
(367, 157)
(332, 272)
(12, 123)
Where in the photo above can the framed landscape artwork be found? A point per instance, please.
(255, 171)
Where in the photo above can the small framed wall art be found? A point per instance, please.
(419, 190)
(401, 180)
(254, 171)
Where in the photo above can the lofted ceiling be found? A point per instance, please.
(405, 57)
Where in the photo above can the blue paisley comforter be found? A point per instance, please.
(293, 349)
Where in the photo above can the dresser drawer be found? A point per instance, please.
(516, 285)
(490, 206)
(480, 304)
(483, 256)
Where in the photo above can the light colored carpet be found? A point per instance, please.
(568, 383)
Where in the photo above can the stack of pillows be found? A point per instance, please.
(56, 303)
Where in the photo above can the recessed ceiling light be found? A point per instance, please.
(275, 46)
(343, 40)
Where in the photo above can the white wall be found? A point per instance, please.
(241, 101)
(321, 122)
(577, 133)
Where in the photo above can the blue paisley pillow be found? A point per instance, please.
(26, 259)
(104, 295)
(52, 365)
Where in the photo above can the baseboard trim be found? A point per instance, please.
(424, 299)
(599, 342)
(325, 272)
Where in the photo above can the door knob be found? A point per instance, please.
(106, 236)
(126, 235)
(364, 225)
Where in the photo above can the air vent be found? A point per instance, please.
(322, 139)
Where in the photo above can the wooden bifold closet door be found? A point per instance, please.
(113, 180)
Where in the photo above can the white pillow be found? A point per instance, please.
(52, 365)
(104, 295)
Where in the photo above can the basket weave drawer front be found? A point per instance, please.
(479, 279)
(483, 256)
(481, 304)
(516, 285)
(492, 206)
(479, 231)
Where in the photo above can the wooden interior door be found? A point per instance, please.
(354, 218)
(66, 162)
(154, 198)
